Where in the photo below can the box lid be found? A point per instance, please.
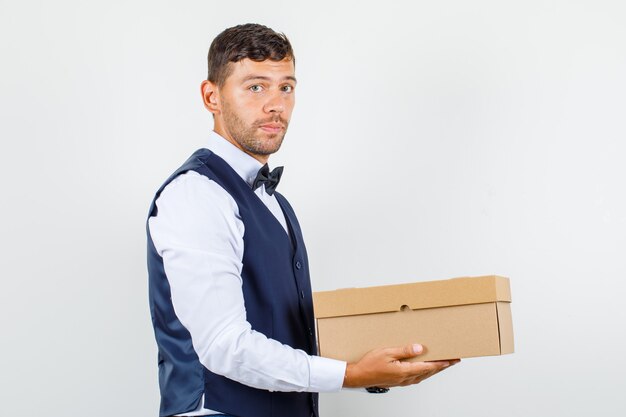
(418, 295)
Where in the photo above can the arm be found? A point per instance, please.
(199, 234)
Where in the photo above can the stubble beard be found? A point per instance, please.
(248, 137)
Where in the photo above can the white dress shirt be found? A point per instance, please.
(199, 234)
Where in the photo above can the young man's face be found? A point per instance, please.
(254, 105)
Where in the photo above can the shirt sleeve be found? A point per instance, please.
(199, 234)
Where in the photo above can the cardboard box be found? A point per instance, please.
(454, 318)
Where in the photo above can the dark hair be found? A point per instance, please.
(253, 41)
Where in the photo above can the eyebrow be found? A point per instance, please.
(264, 78)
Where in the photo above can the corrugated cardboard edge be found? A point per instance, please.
(505, 327)
(419, 295)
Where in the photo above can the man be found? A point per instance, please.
(230, 294)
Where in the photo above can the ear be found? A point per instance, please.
(210, 96)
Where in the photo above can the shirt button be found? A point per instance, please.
(298, 265)
(301, 294)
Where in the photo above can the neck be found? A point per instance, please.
(261, 158)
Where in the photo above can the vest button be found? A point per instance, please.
(298, 265)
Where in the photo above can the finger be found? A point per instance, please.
(405, 352)
(420, 378)
(426, 376)
(418, 368)
(417, 379)
(413, 370)
(450, 361)
(420, 371)
(436, 371)
(440, 364)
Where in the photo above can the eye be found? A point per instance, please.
(255, 88)
(287, 88)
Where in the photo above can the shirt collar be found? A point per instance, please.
(244, 165)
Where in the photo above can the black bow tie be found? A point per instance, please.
(270, 179)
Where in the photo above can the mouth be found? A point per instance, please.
(272, 127)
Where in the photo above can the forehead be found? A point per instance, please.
(273, 70)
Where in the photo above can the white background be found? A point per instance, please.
(431, 139)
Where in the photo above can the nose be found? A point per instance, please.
(274, 104)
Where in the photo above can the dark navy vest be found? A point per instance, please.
(277, 296)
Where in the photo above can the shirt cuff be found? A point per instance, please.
(326, 375)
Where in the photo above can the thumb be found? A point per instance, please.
(406, 352)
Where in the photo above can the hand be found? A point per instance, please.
(384, 368)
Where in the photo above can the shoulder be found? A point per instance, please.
(196, 213)
(191, 192)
